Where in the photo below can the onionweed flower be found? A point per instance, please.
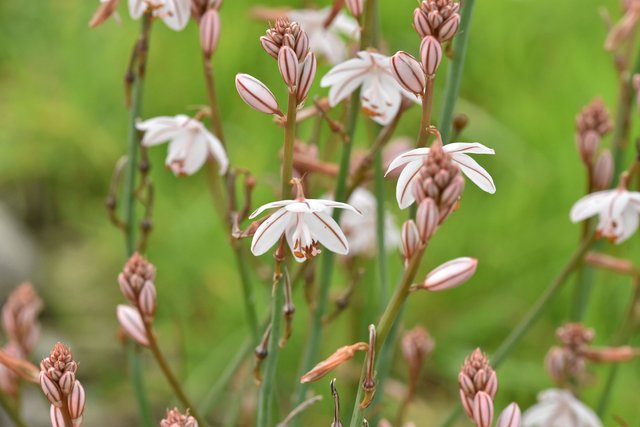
(618, 212)
(329, 42)
(476, 376)
(413, 160)
(559, 408)
(380, 95)
(174, 13)
(306, 224)
(175, 419)
(437, 18)
(191, 143)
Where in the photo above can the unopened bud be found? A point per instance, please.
(603, 171)
(555, 363)
(306, 74)
(57, 418)
(460, 122)
(421, 24)
(288, 66)
(126, 288)
(482, 409)
(51, 390)
(257, 95)
(66, 382)
(147, 301)
(449, 28)
(410, 239)
(510, 416)
(416, 345)
(431, 55)
(427, 218)
(610, 354)
(132, 324)
(104, 12)
(408, 72)
(75, 403)
(450, 274)
(587, 145)
(209, 32)
(340, 356)
(355, 7)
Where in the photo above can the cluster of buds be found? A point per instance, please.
(592, 124)
(206, 13)
(136, 283)
(478, 386)
(624, 29)
(175, 419)
(437, 18)
(286, 34)
(416, 344)
(59, 384)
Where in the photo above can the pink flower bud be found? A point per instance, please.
(421, 24)
(147, 300)
(410, 239)
(510, 416)
(355, 7)
(270, 46)
(431, 55)
(301, 46)
(66, 382)
(288, 66)
(467, 403)
(257, 95)
(491, 384)
(408, 72)
(450, 274)
(427, 217)
(587, 145)
(340, 356)
(75, 403)
(603, 171)
(132, 324)
(126, 288)
(482, 409)
(306, 74)
(51, 390)
(57, 419)
(449, 28)
(209, 32)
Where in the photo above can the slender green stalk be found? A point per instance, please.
(454, 73)
(383, 270)
(133, 146)
(425, 120)
(11, 411)
(622, 123)
(289, 140)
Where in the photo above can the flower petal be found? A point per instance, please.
(409, 156)
(159, 129)
(589, 205)
(176, 13)
(468, 148)
(195, 155)
(269, 232)
(476, 173)
(344, 78)
(278, 204)
(628, 225)
(217, 151)
(323, 204)
(404, 193)
(381, 96)
(326, 231)
(137, 8)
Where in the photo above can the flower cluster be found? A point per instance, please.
(175, 419)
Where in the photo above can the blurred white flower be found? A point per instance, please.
(361, 229)
(559, 408)
(328, 42)
(174, 13)
(190, 146)
(413, 160)
(618, 210)
(381, 94)
(306, 224)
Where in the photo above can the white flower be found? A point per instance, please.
(191, 143)
(174, 13)
(306, 224)
(361, 229)
(618, 210)
(381, 94)
(558, 408)
(413, 160)
(328, 42)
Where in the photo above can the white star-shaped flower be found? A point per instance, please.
(413, 160)
(328, 42)
(306, 224)
(559, 408)
(381, 94)
(174, 13)
(190, 146)
(618, 210)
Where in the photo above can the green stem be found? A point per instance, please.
(454, 73)
(11, 411)
(383, 270)
(425, 121)
(289, 140)
(622, 124)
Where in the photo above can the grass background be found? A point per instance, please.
(531, 66)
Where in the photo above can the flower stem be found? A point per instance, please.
(216, 121)
(133, 145)
(454, 73)
(289, 140)
(11, 411)
(383, 271)
(425, 121)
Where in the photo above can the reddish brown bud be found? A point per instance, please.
(147, 301)
(104, 12)
(75, 403)
(427, 218)
(209, 32)
(431, 54)
(175, 419)
(603, 171)
(340, 356)
(410, 240)
(51, 390)
(20, 317)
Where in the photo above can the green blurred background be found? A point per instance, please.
(531, 66)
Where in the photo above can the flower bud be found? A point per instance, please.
(257, 95)
(75, 403)
(288, 66)
(132, 324)
(410, 239)
(431, 55)
(450, 274)
(66, 382)
(51, 390)
(408, 72)
(610, 354)
(510, 416)
(270, 46)
(126, 288)
(104, 12)
(449, 28)
(147, 301)
(355, 7)
(209, 32)
(57, 419)
(482, 409)
(340, 356)
(421, 24)
(306, 74)
(587, 145)
(427, 217)
(603, 171)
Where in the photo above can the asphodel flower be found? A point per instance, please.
(618, 210)
(174, 13)
(413, 160)
(191, 143)
(381, 94)
(306, 224)
(559, 408)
